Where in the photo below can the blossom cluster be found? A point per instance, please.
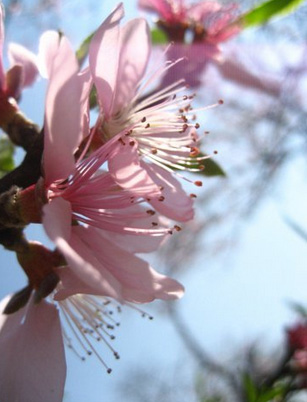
(109, 189)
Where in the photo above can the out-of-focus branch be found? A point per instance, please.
(23, 133)
(29, 171)
(205, 361)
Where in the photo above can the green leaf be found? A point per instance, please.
(93, 98)
(271, 394)
(211, 169)
(158, 37)
(82, 52)
(250, 388)
(265, 11)
(298, 308)
(6, 156)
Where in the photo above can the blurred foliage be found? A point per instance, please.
(212, 168)
(158, 37)
(83, 50)
(207, 167)
(265, 11)
(299, 309)
(255, 393)
(6, 156)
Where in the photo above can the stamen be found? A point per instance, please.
(84, 308)
(142, 312)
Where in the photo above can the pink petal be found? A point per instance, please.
(33, 367)
(104, 58)
(233, 70)
(202, 10)
(177, 205)
(135, 45)
(7, 322)
(86, 81)
(124, 166)
(71, 285)
(2, 75)
(150, 5)
(63, 117)
(57, 223)
(57, 219)
(87, 270)
(18, 54)
(164, 9)
(88, 267)
(140, 283)
(196, 58)
(132, 243)
(47, 51)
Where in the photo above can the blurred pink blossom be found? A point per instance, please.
(297, 336)
(208, 21)
(197, 31)
(23, 70)
(174, 11)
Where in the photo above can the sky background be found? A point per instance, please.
(233, 298)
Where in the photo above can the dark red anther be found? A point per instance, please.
(194, 151)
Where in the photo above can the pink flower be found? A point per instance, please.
(297, 336)
(32, 342)
(300, 360)
(23, 71)
(100, 211)
(33, 367)
(198, 30)
(216, 22)
(162, 136)
(174, 11)
(94, 224)
(208, 21)
(97, 264)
